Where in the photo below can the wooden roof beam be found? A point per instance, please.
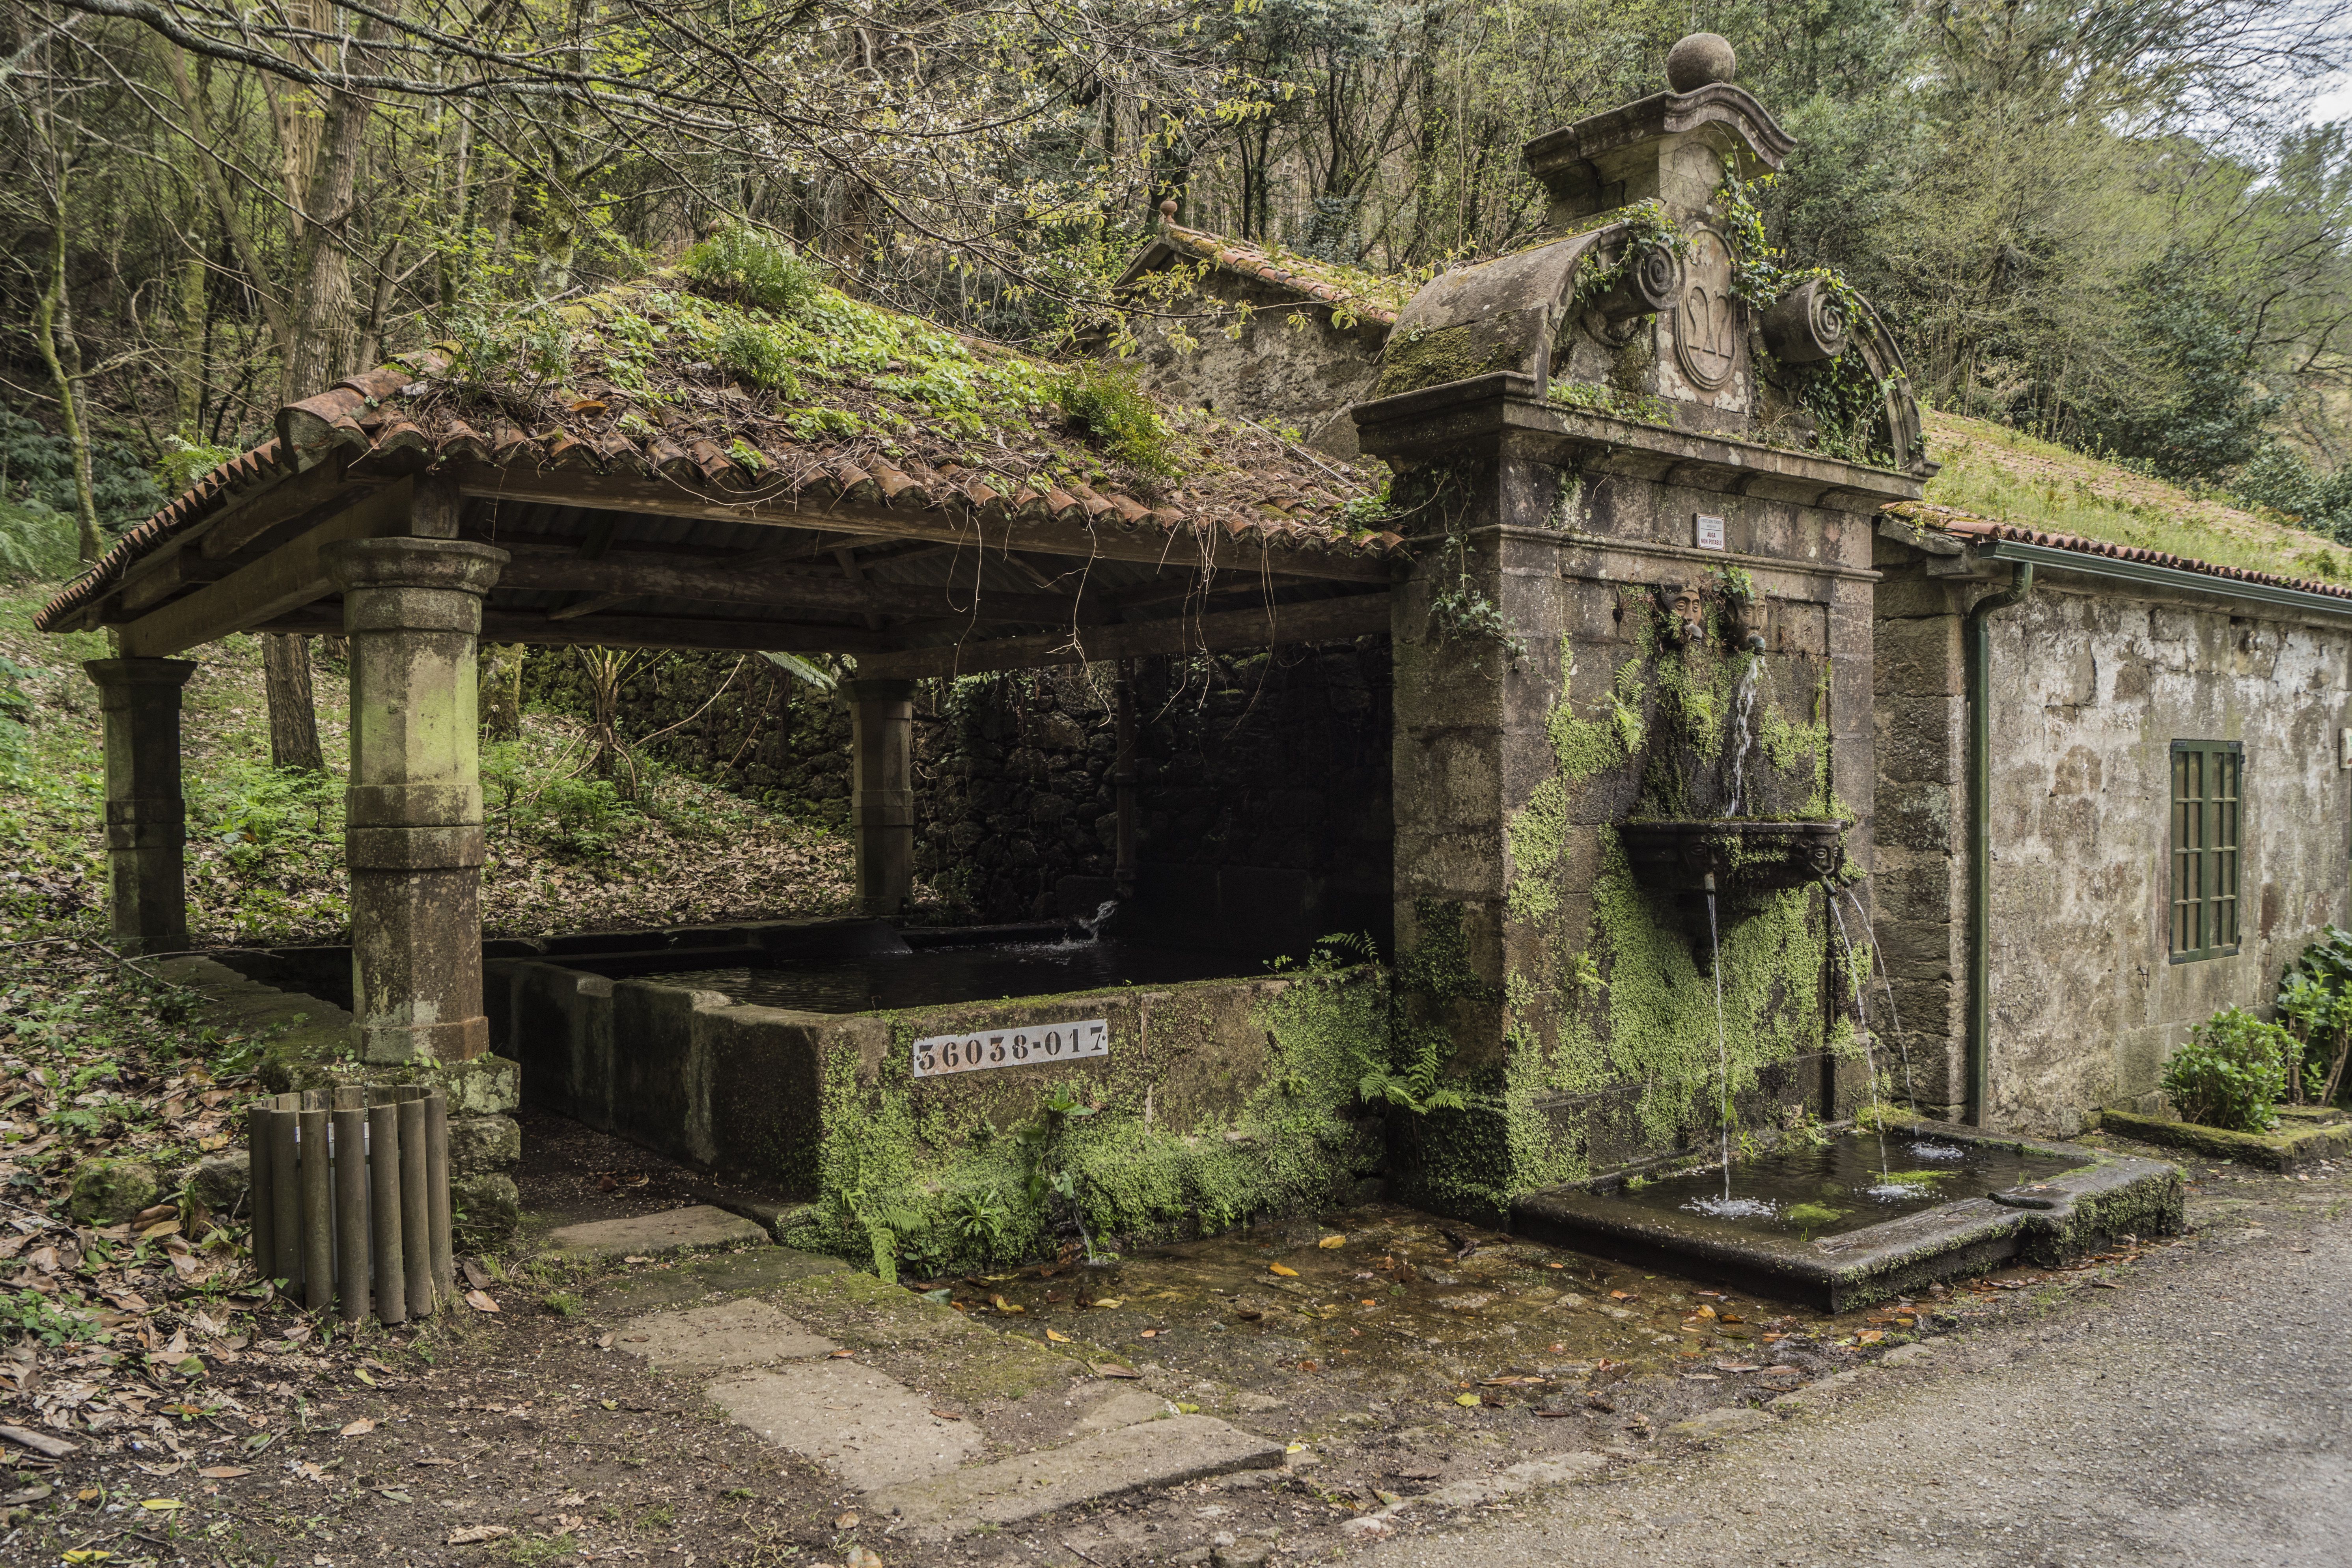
(643, 574)
(1323, 620)
(777, 507)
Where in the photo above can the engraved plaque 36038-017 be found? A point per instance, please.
(1027, 1046)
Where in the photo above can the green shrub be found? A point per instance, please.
(37, 541)
(752, 352)
(2314, 1001)
(579, 816)
(2231, 1071)
(753, 267)
(1113, 412)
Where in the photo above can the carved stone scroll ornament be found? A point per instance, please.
(1648, 281)
(1806, 324)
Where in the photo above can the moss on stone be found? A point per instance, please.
(1415, 360)
(942, 1176)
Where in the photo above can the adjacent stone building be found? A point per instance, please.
(1256, 331)
(2165, 806)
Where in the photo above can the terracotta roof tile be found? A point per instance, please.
(1948, 519)
(1367, 294)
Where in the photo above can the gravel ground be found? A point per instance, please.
(2198, 1413)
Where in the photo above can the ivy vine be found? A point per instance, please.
(1848, 403)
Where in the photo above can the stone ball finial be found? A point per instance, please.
(1168, 210)
(1698, 60)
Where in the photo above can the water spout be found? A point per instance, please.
(1092, 925)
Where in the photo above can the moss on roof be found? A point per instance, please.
(2005, 476)
(689, 358)
(1379, 296)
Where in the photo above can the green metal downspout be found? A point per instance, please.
(1979, 634)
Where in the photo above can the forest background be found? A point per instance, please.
(2112, 223)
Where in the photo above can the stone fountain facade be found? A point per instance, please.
(1620, 491)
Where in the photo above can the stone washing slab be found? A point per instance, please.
(2049, 1223)
(1152, 1454)
(861, 1424)
(2296, 1144)
(673, 1231)
(729, 1336)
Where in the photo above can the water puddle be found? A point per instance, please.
(1386, 1299)
(1844, 1185)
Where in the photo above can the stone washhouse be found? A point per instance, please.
(1510, 622)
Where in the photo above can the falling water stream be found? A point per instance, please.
(1894, 1019)
(1888, 1186)
(1726, 1207)
(1743, 709)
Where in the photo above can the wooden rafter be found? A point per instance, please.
(1322, 620)
(779, 508)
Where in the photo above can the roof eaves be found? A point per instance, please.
(1969, 528)
(1241, 258)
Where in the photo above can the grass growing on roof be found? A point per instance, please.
(2006, 475)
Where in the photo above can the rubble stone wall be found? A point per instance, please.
(2091, 685)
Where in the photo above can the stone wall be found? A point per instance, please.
(769, 735)
(1258, 351)
(2091, 685)
(1271, 761)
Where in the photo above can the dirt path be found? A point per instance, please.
(532, 1436)
(2200, 1415)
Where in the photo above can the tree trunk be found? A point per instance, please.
(498, 676)
(293, 713)
(62, 353)
(325, 336)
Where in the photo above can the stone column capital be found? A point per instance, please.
(110, 675)
(879, 689)
(455, 566)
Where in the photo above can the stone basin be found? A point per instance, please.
(2075, 1211)
(1742, 854)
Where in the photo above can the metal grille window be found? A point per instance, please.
(2206, 777)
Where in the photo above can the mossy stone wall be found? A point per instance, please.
(1578, 1005)
(768, 735)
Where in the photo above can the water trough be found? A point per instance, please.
(2060, 1202)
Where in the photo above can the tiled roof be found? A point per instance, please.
(901, 428)
(1965, 527)
(1367, 294)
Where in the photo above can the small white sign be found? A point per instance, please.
(1025, 1046)
(1710, 532)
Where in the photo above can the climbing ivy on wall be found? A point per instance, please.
(1618, 999)
(1848, 403)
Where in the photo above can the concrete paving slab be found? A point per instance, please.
(711, 1339)
(1156, 1453)
(863, 1425)
(1118, 1406)
(673, 1231)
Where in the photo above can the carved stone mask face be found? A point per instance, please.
(1687, 612)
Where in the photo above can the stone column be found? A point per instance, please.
(146, 821)
(882, 793)
(413, 839)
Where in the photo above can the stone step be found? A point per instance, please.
(858, 1422)
(1150, 1454)
(672, 1230)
